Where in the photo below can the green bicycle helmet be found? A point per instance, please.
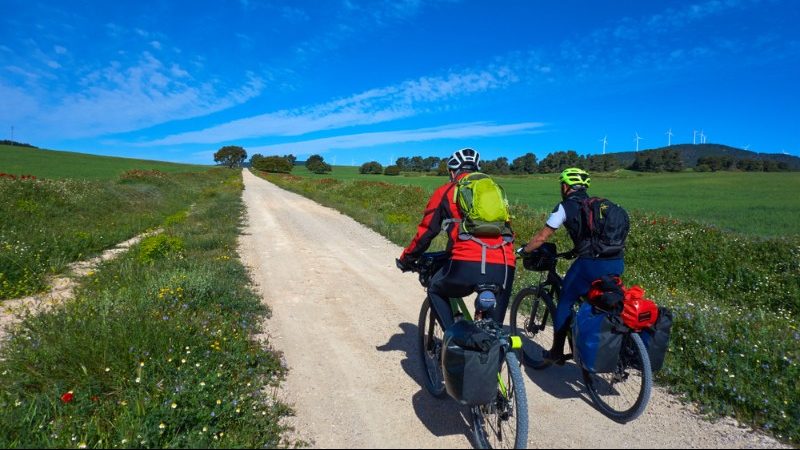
(575, 176)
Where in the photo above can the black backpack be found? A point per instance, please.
(607, 226)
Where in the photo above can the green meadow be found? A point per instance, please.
(760, 204)
(77, 206)
(57, 165)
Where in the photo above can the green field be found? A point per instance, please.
(761, 204)
(56, 165)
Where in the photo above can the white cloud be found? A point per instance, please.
(60, 50)
(156, 45)
(121, 98)
(364, 140)
(369, 107)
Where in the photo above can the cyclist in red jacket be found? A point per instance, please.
(467, 267)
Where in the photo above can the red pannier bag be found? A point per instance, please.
(638, 312)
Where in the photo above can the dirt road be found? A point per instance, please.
(345, 318)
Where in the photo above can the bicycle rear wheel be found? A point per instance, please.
(623, 394)
(532, 320)
(504, 423)
(431, 342)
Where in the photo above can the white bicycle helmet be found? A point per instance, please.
(466, 158)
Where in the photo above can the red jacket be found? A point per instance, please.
(442, 206)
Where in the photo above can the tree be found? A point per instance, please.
(442, 170)
(403, 163)
(371, 168)
(316, 164)
(525, 164)
(417, 164)
(230, 155)
(558, 161)
(275, 164)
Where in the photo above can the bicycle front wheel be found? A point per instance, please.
(431, 343)
(623, 395)
(532, 320)
(504, 423)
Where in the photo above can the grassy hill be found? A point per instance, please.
(51, 164)
(691, 152)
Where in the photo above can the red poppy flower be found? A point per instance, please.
(67, 397)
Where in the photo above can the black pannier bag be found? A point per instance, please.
(607, 293)
(656, 339)
(470, 364)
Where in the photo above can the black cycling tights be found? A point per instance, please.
(460, 278)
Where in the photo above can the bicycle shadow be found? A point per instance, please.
(442, 417)
(561, 382)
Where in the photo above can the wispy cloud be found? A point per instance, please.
(365, 140)
(119, 98)
(369, 107)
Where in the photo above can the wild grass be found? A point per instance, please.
(46, 224)
(151, 354)
(735, 346)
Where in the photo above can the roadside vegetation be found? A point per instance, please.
(735, 348)
(48, 223)
(754, 204)
(157, 349)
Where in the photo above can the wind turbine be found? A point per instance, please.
(605, 142)
(637, 139)
(694, 137)
(702, 137)
(747, 147)
(669, 137)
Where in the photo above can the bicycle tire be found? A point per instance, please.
(633, 351)
(534, 327)
(431, 359)
(487, 436)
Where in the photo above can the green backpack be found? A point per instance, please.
(483, 205)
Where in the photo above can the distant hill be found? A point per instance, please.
(691, 152)
(23, 160)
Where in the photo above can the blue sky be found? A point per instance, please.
(358, 80)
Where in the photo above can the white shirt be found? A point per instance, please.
(557, 218)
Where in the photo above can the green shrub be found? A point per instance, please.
(275, 164)
(392, 171)
(153, 248)
(371, 168)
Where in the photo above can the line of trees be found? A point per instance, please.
(525, 164)
(285, 163)
(16, 144)
(717, 163)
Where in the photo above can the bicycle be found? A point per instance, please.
(623, 394)
(502, 423)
